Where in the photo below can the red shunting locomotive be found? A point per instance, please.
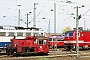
(28, 45)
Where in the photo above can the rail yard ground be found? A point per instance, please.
(60, 54)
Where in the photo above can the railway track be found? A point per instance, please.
(37, 57)
(51, 54)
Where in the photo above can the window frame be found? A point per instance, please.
(3, 34)
(10, 34)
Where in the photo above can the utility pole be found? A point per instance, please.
(27, 19)
(77, 23)
(49, 27)
(84, 24)
(19, 16)
(55, 24)
(34, 16)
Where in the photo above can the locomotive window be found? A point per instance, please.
(60, 39)
(40, 34)
(35, 34)
(66, 34)
(19, 33)
(35, 41)
(44, 42)
(40, 41)
(2, 33)
(69, 34)
(28, 34)
(50, 39)
(53, 39)
(11, 34)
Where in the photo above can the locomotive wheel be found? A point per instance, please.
(8, 51)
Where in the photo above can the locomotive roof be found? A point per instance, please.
(41, 37)
(86, 31)
(80, 30)
(70, 31)
(17, 28)
(27, 28)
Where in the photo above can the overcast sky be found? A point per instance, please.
(9, 13)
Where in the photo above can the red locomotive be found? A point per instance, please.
(83, 39)
(56, 40)
(28, 45)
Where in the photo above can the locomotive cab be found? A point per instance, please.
(67, 43)
(42, 44)
(70, 40)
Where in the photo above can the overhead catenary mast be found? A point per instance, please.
(34, 16)
(84, 24)
(19, 16)
(55, 24)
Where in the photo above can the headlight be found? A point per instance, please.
(40, 46)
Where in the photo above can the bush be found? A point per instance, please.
(43, 59)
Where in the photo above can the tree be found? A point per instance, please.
(68, 28)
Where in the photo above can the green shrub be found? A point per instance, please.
(43, 59)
